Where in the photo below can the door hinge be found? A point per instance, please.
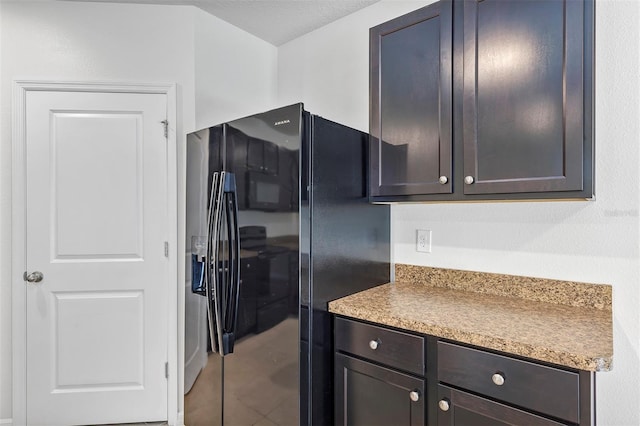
(166, 249)
(166, 128)
(166, 370)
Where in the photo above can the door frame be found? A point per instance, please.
(18, 231)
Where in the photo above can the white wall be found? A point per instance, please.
(72, 41)
(595, 241)
(328, 69)
(5, 272)
(235, 72)
(82, 42)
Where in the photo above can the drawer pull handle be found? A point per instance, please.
(373, 344)
(414, 395)
(443, 404)
(498, 379)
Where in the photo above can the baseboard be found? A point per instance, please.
(180, 419)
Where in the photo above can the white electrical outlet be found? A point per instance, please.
(423, 240)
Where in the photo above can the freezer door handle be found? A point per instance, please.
(212, 277)
(232, 281)
(223, 271)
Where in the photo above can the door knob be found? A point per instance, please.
(34, 277)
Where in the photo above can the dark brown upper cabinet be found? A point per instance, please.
(515, 117)
(523, 121)
(410, 103)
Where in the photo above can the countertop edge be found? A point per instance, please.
(580, 362)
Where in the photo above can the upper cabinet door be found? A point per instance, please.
(411, 103)
(524, 96)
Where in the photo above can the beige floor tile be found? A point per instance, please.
(255, 386)
(239, 414)
(287, 412)
(265, 422)
(262, 396)
(137, 424)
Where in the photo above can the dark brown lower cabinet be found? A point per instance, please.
(552, 391)
(457, 408)
(367, 394)
(392, 377)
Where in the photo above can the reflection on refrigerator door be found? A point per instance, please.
(300, 197)
(251, 372)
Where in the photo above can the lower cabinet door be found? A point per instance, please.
(456, 408)
(369, 395)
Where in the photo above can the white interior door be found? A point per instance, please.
(195, 337)
(195, 312)
(96, 222)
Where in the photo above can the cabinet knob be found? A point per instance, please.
(468, 180)
(498, 379)
(443, 180)
(414, 395)
(373, 344)
(443, 404)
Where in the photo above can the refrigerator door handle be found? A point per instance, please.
(232, 278)
(212, 268)
(217, 301)
(209, 260)
(222, 273)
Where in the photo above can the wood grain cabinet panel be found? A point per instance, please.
(459, 384)
(523, 96)
(394, 348)
(410, 103)
(457, 408)
(369, 395)
(483, 100)
(533, 386)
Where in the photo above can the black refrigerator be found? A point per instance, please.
(278, 225)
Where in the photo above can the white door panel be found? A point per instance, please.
(80, 204)
(97, 220)
(75, 361)
(195, 337)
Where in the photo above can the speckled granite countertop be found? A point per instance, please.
(564, 323)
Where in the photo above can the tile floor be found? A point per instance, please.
(139, 424)
(261, 382)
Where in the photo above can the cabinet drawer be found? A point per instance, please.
(536, 387)
(393, 348)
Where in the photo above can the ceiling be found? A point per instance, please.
(275, 21)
